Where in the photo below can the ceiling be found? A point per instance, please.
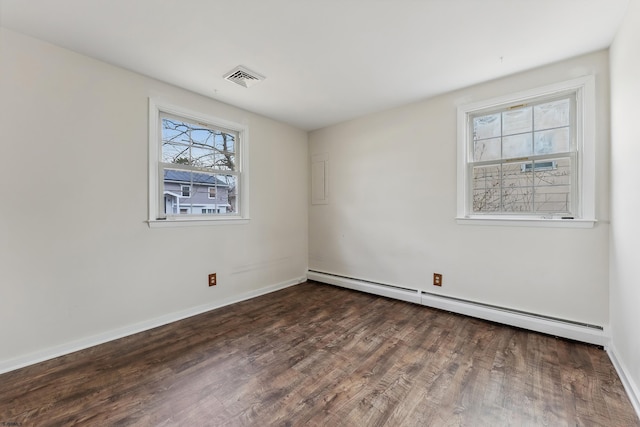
(325, 61)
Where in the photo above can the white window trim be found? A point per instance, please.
(182, 191)
(586, 135)
(242, 217)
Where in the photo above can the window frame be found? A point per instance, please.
(584, 211)
(155, 217)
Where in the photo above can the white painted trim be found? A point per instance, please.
(154, 135)
(196, 222)
(403, 294)
(469, 308)
(528, 222)
(81, 344)
(632, 389)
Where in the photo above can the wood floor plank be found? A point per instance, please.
(318, 355)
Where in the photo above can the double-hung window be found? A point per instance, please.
(528, 157)
(197, 167)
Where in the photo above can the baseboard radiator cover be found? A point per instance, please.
(592, 334)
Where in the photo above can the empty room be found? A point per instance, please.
(354, 213)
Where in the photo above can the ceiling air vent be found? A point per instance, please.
(243, 76)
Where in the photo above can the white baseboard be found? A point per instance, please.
(632, 389)
(533, 322)
(81, 344)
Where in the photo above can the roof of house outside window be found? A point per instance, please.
(192, 177)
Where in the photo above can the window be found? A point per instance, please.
(195, 158)
(509, 166)
(528, 156)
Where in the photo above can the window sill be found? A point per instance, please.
(196, 222)
(527, 222)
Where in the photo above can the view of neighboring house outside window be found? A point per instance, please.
(198, 168)
(198, 200)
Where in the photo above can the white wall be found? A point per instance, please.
(625, 199)
(390, 216)
(77, 259)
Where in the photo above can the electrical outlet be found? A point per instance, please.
(212, 279)
(437, 279)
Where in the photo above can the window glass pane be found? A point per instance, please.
(191, 193)
(516, 146)
(552, 141)
(174, 130)
(197, 145)
(175, 153)
(486, 149)
(201, 136)
(517, 121)
(553, 186)
(558, 174)
(486, 188)
(552, 114)
(225, 161)
(553, 199)
(230, 186)
(199, 191)
(225, 142)
(202, 157)
(225, 146)
(486, 126)
(517, 188)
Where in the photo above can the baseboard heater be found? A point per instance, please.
(593, 334)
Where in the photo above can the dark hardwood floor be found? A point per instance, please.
(323, 356)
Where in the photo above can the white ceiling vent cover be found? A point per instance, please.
(243, 76)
